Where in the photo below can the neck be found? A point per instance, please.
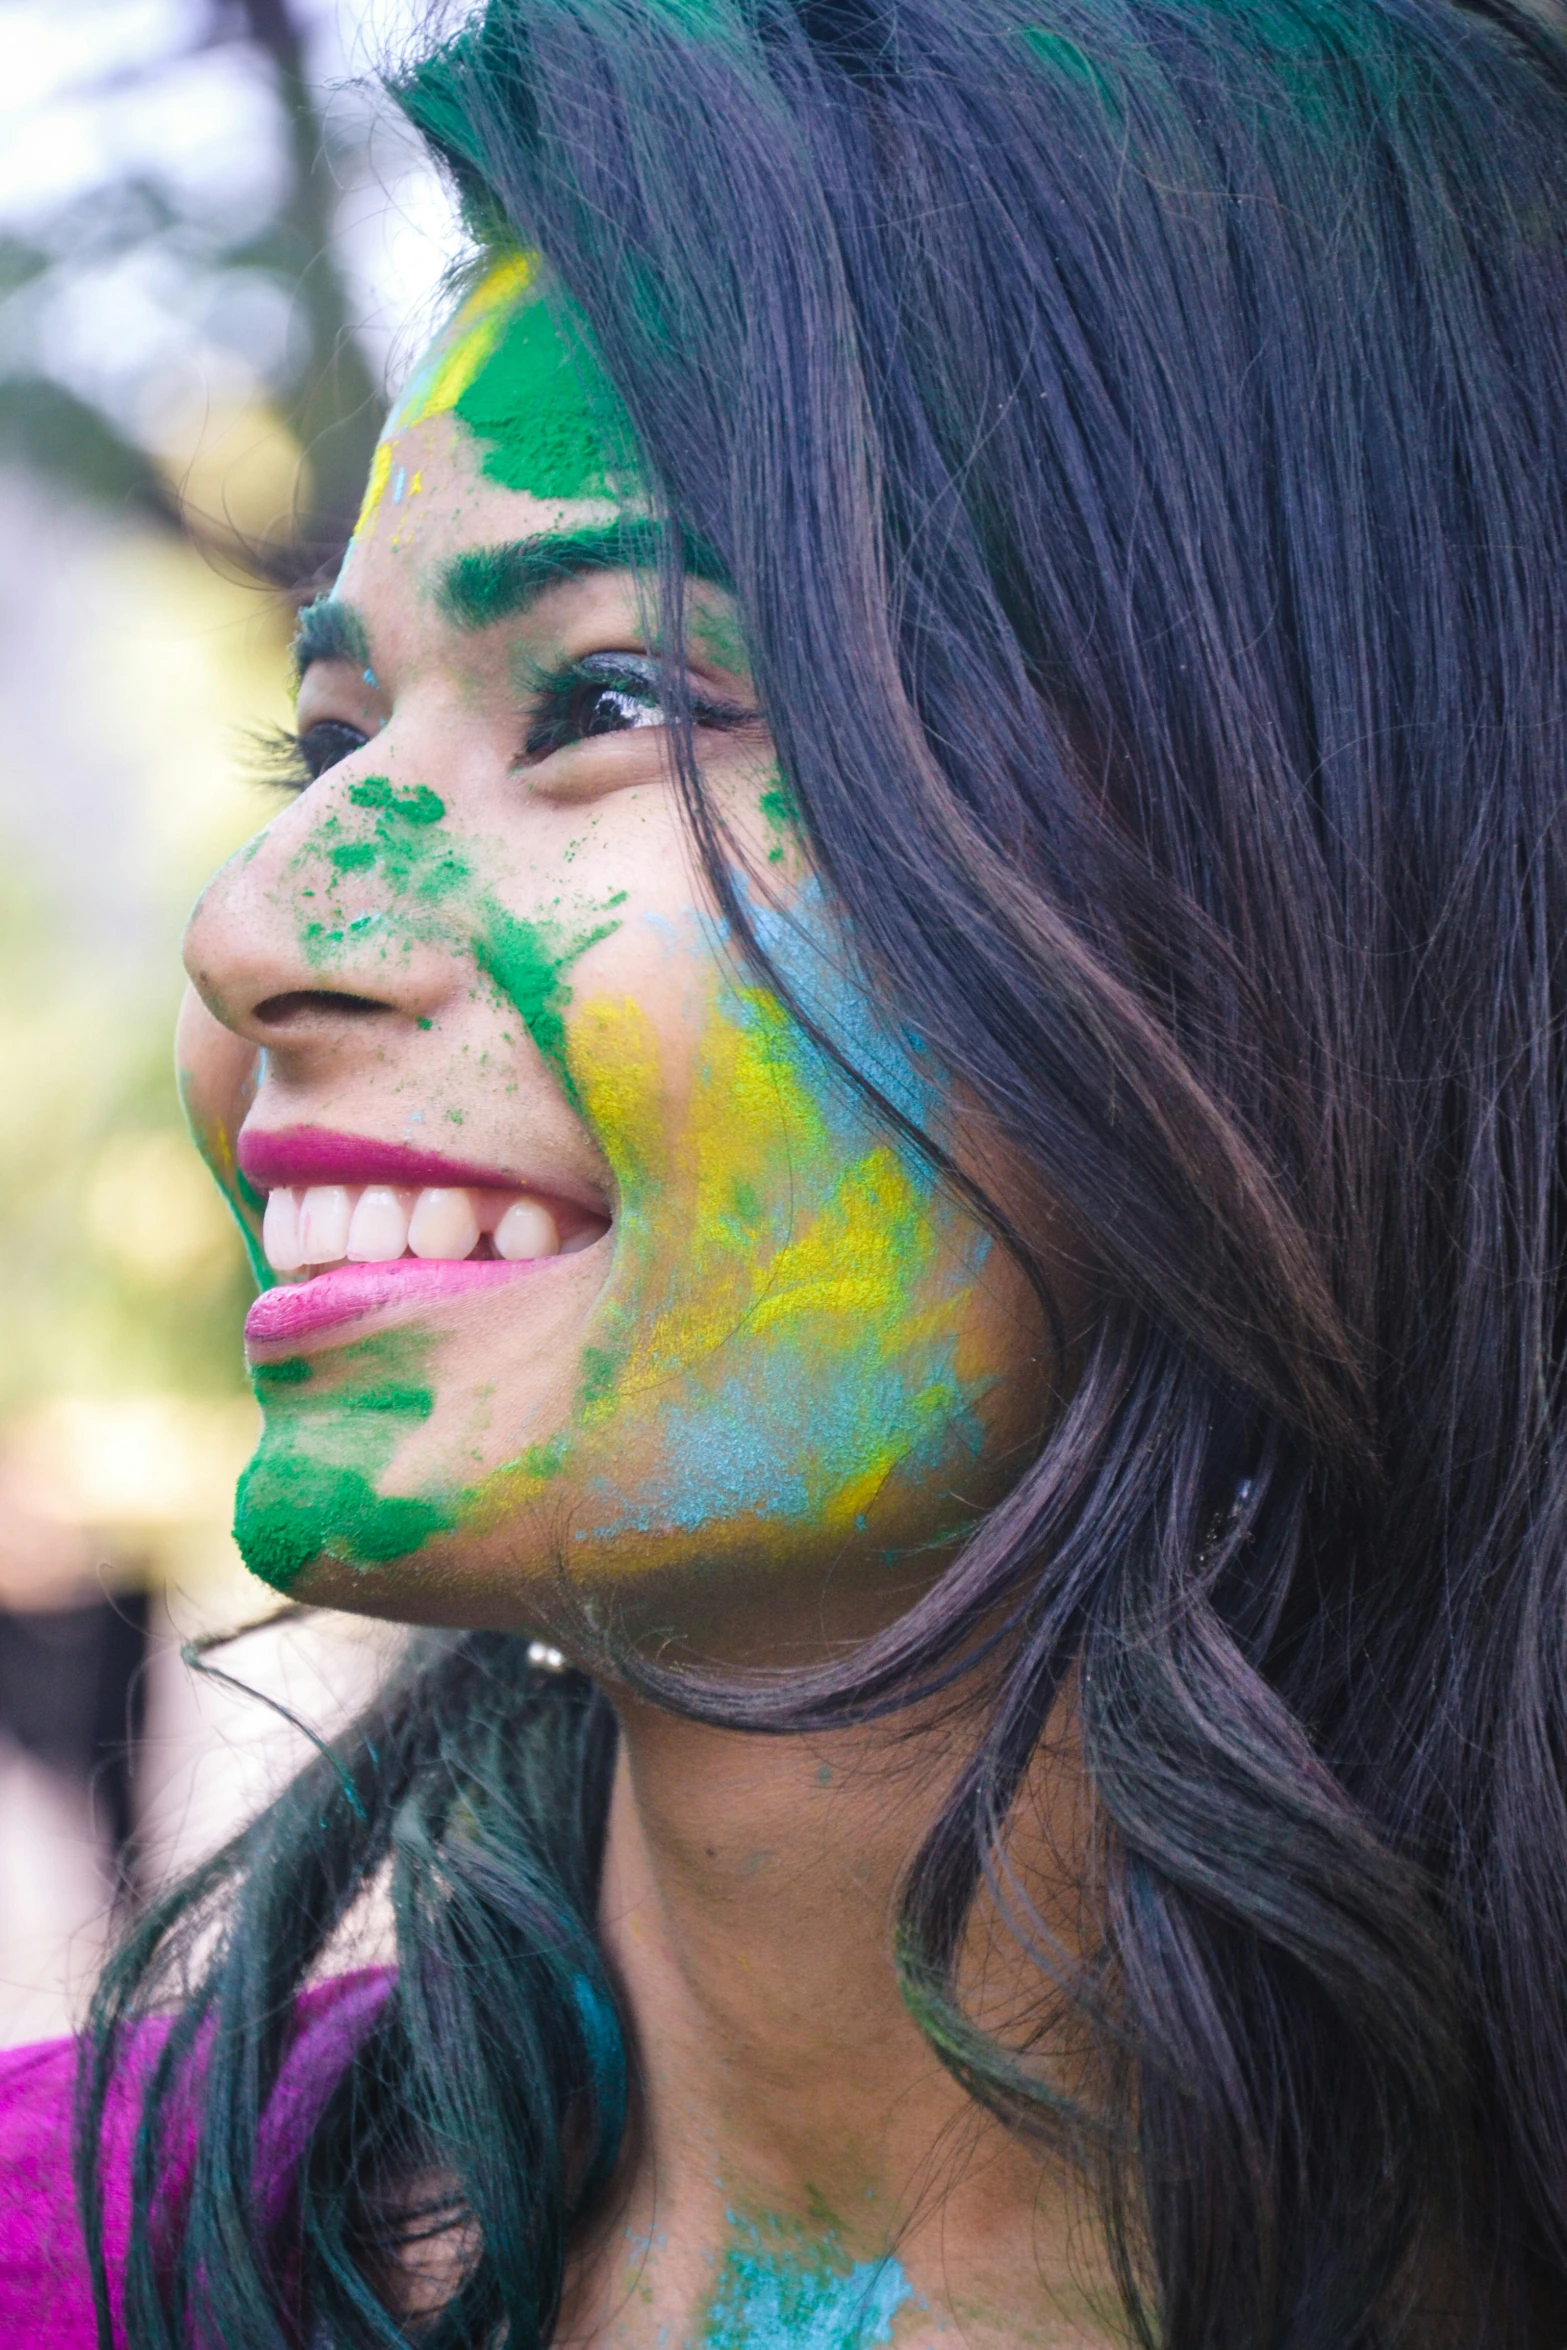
(807, 2174)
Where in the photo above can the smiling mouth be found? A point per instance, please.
(343, 1249)
(328, 1224)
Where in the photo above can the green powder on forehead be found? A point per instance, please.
(542, 409)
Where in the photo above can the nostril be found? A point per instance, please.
(303, 1004)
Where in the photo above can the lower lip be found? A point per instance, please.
(296, 1309)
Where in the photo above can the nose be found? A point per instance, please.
(292, 950)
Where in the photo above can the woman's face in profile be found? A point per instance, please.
(588, 1262)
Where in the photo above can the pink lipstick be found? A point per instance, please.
(356, 1227)
(295, 1309)
(314, 1154)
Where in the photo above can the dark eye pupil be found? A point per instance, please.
(325, 744)
(609, 709)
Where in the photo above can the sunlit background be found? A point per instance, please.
(218, 245)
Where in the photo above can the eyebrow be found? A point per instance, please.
(330, 630)
(487, 584)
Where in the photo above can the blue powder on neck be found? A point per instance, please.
(801, 2296)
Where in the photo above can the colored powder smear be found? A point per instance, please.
(787, 1326)
(312, 1488)
(402, 845)
(784, 2291)
(528, 961)
(244, 1203)
(431, 895)
(326, 1442)
(787, 1329)
(516, 368)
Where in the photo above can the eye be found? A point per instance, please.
(610, 693)
(605, 694)
(327, 743)
(297, 760)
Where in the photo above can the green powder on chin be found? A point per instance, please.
(540, 405)
(312, 1489)
(290, 1509)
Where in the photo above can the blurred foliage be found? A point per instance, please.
(261, 272)
(121, 1275)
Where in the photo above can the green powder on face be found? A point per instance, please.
(780, 807)
(329, 630)
(312, 1488)
(716, 633)
(418, 806)
(403, 845)
(239, 1195)
(598, 1374)
(539, 405)
(782, 812)
(434, 899)
(290, 1509)
(545, 1460)
(528, 962)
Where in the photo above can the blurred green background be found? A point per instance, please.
(218, 245)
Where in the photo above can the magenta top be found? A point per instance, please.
(44, 2292)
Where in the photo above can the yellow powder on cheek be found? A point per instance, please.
(787, 1311)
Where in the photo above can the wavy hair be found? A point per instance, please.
(1136, 435)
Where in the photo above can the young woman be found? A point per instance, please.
(900, 1080)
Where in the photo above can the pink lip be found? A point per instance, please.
(313, 1154)
(296, 1308)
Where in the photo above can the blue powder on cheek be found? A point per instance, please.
(794, 1427)
(737, 1457)
(789, 2300)
(816, 967)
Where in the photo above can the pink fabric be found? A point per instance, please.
(44, 2293)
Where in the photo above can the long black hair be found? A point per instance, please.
(1136, 435)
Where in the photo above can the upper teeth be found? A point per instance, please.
(371, 1224)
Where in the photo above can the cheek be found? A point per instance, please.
(798, 1337)
(217, 1073)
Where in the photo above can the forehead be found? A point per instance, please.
(505, 467)
(514, 380)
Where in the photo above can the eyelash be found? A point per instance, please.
(630, 681)
(296, 760)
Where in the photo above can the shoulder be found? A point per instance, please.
(45, 2294)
